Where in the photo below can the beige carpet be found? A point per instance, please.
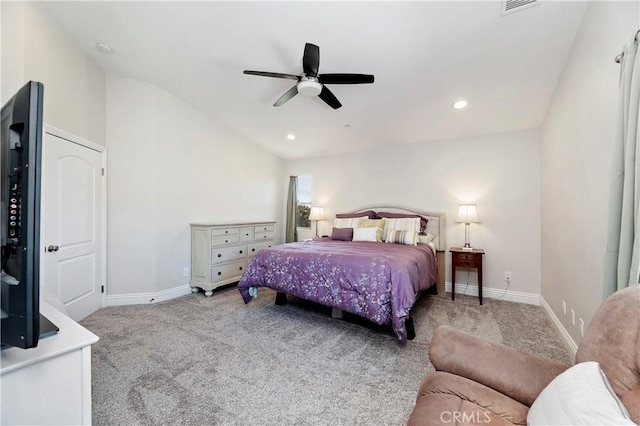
(203, 361)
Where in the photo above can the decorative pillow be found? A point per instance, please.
(581, 395)
(351, 222)
(365, 234)
(423, 220)
(401, 224)
(425, 238)
(408, 238)
(373, 223)
(370, 214)
(343, 234)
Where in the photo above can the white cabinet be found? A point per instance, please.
(51, 383)
(220, 252)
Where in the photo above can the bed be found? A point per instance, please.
(376, 280)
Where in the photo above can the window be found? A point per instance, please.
(305, 194)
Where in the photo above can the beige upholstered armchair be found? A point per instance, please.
(479, 382)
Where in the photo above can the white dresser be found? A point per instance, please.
(220, 252)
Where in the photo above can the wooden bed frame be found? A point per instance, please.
(436, 225)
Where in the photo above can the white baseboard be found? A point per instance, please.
(495, 293)
(146, 298)
(571, 344)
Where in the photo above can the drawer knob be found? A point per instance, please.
(219, 254)
(247, 234)
(240, 251)
(226, 232)
(241, 268)
(253, 249)
(226, 241)
(219, 273)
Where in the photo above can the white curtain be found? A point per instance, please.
(623, 241)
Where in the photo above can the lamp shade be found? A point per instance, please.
(467, 214)
(317, 213)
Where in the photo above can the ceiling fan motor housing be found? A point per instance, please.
(309, 86)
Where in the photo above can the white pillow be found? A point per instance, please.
(351, 222)
(365, 234)
(373, 223)
(426, 238)
(581, 395)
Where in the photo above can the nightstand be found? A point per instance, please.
(466, 259)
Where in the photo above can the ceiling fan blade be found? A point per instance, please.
(328, 96)
(272, 74)
(311, 59)
(345, 78)
(287, 95)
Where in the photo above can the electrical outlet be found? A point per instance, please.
(185, 272)
(581, 327)
(573, 317)
(564, 307)
(507, 276)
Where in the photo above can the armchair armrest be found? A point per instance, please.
(517, 374)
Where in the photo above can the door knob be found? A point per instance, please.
(53, 248)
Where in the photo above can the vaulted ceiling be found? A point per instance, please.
(424, 55)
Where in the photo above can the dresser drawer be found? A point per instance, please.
(225, 240)
(264, 236)
(228, 271)
(226, 254)
(264, 228)
(217, 232)
(254, 247)
(247, 233)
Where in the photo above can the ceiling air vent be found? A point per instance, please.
(510, 6)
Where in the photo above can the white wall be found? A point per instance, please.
(170, 165)
(501, 173)
(35, 47)
(12, 49)
(576, 160)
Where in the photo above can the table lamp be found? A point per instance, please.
(467, 214)
(317, 213)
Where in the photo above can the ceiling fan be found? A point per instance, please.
(310, 83)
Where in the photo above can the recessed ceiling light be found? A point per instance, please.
(460, 104)
(104, 48)
(291, 136)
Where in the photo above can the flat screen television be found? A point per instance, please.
(20, 182)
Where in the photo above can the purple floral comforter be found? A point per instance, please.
(377, 281)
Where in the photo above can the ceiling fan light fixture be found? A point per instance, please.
(309, 88)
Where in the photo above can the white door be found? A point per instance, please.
(72, 233)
